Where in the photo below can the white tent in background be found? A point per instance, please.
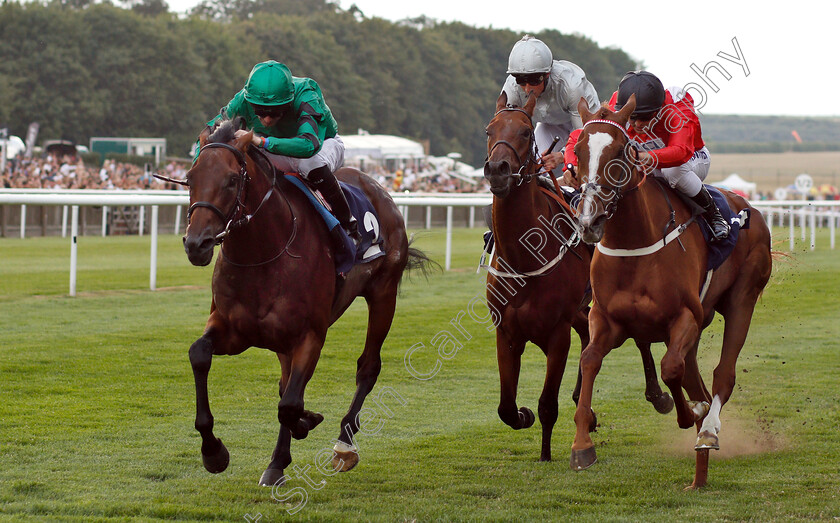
(733, 182)
(381, 148)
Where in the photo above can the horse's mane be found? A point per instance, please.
(224, 131)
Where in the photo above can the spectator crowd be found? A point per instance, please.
(72, 173)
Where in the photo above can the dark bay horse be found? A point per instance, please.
(275, 285)
(654, 291)
(538, 276)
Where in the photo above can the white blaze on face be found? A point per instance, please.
(597, 143)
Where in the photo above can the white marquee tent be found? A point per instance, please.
(733, 182)
(381, 147)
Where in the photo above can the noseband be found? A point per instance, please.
(522, 175)
(238, 208)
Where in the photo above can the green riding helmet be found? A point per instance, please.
(270, 83)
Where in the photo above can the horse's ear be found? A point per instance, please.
(202, 138)
(243, 141)
(501, 102)
(530, 103)
(625, 112)
(583, 110)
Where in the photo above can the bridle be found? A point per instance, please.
(242, 179)
(522, 175)
(611, 195)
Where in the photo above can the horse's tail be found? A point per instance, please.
(418, 261)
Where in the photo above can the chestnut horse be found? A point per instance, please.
(654, 290)
(275, 285)
(536, 300)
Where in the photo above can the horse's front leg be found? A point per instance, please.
(302, 362)
(213, 452)
(509, 356)
(557, 352)
(661, 401)
(684, 335)
(603, 340)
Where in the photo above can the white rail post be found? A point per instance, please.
(831, 226)
(23, 221)
(177, 219)
(472, 217)
(154, 235)
(792, 217)
(64, 221)
(803, 224)
(448, 237)
(104, 220)
(428, 217)
(74, 231)
(141, 219)
(813, 228)
(770, 216)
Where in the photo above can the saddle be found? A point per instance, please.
(347, 253)
(718, 251)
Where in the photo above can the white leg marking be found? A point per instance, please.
(712, 421)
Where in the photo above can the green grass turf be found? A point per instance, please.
(97, 406)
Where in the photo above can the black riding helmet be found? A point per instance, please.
(650, 94)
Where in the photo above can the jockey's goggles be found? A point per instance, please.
(530, 79)
(643, 116)
(269, 110)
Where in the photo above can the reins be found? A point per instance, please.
(229, 219)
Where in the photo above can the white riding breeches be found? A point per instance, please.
(688, 177)
(331, 155)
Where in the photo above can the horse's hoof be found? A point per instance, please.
(664, 403)
(707, 440)
(526, 417)
(345, 457)
(217, 462)
(699, 408)
(583, 459)
(272, 477)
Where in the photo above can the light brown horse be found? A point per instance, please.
(654, 295)
(275, 285)
(539, 274)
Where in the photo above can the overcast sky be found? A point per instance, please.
(786, 55)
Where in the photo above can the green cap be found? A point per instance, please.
(270, 83)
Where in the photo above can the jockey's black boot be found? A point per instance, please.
(720, 229)
(325, 181)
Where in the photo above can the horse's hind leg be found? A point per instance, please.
(556, 355)
(737, 319)
(661, 401)
(381, 308)
(213, 452)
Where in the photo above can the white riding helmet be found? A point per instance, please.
(528, 56)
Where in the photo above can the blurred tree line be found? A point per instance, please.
(85, 69)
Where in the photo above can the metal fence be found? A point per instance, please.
(423, 210)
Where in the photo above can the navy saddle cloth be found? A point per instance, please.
(719, 251)
(348, 255)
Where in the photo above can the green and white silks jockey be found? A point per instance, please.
(294, 125)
